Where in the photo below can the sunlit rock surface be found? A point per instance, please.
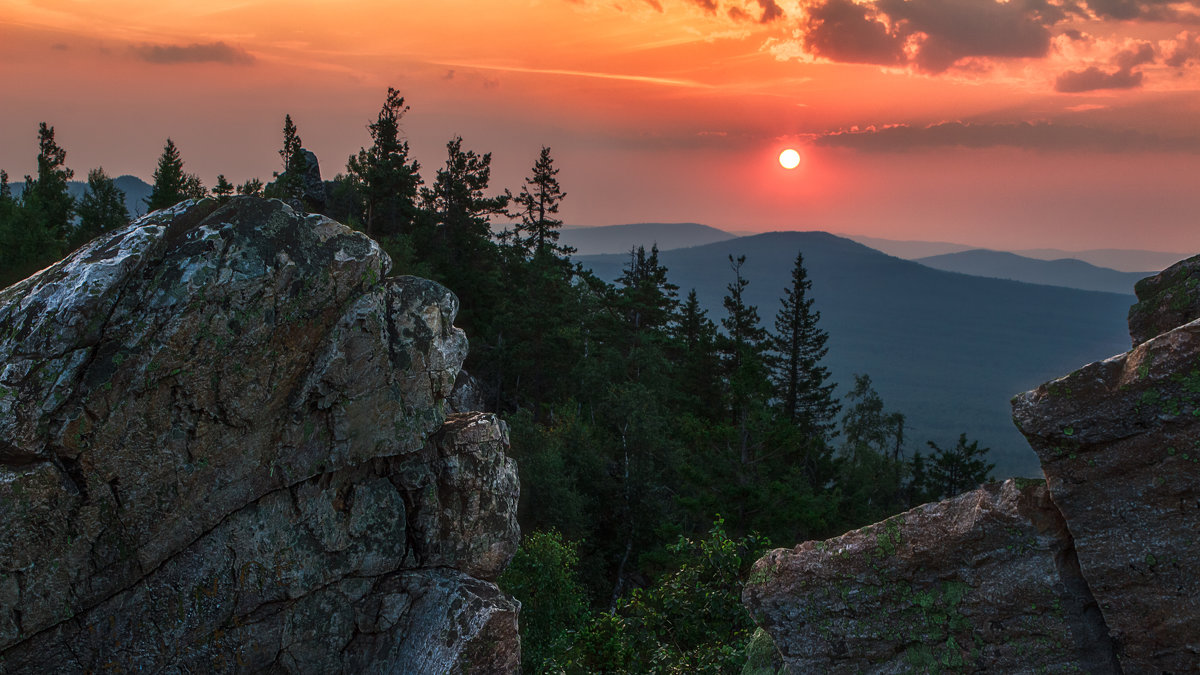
(224, 446)
(1094, 569)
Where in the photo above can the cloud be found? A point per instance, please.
(1093, 79)
(709, 6)
(929, 35)
(1145, 10)
(1025, 135)
(1182, 50)
(770, 11)
(211, 52)
(59, 47)
(841, 30)
(655, 4)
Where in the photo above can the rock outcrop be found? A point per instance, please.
(224, 447)
(1094, 569)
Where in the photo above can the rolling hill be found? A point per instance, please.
(1123, 260)
(946, 349)
(1066, 272)
(620, 238)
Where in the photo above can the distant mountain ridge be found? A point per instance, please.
(1068, 272)
(948, 350)
(136, 191)
(621, 238)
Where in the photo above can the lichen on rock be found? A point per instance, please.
(217, 441)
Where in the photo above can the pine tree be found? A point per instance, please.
(958, 469)
(101, 209)
(537, 231)
(223, 188)
(47, 198)
(251, 188)
(798, 346)
(461, 211)
(171, 184)
(387, 181)
(295, 165)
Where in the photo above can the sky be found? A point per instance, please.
(1072, 124)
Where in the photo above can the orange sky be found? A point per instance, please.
(1011, 124)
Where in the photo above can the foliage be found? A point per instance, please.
(223, 189)
(805, 398)
(955, 470)
(537, 205)
(46, 197)
(251, 188)
(542, 577)
(387, 181)
(171, 183)
(690, 621)
(101, 209)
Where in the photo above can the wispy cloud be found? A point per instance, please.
(644, 79)
(1025, 135)
(211, 52)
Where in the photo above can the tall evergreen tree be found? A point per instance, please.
(387, 181)
(101, 209)
(459, 206)
(171, 183)
(955, 470)
(47, 198)
(223, 189)
(798, 345)
(251, 188)
(291, 181)
(537, 205)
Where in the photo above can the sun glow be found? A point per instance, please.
(789, 159)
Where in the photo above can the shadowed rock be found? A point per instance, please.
(1166, 300)
(984, 581)
(216, 454)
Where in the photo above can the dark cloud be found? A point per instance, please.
(1093, 79)
(841, 30)
(1026, 135)
(1128, 59)
(59, 47)
(707, 5)
(739, 14)
(1186, 48)
(1146, 10)
(770, 11)
(655, 4)
(939, 33)
(211, 52)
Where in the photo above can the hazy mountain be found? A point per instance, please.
(1123, 260)
(136, 191)
(946, 349)
(620, 238)
(909, 250)
(1066, 272)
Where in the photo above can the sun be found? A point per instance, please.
(789, 159)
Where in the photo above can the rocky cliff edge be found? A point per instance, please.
(225, 446)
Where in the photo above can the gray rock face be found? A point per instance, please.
(984, 582)
(222, 449)
(1097, 568)
(314, 187)
(1166, 300)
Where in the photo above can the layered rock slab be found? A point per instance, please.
(1119, 442)
(981, 582)
(215, 449)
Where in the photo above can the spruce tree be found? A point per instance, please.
(101, 209)
(958, 469)
(386, 180)
(46, 198)
(461, 210)
(251, 188)
(798, 345)
(223, 189)
(537, 206)
(295, 165)
(171, 184)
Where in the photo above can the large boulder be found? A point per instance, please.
(984, 582)
(1166, 300)
(224, 446)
